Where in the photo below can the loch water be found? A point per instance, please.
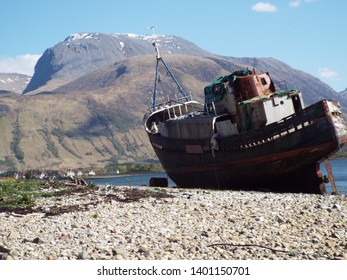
(338, 166)
(339, 170)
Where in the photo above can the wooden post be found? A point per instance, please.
(330, 174)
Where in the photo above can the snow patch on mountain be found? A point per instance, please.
(13, 82)
(121, 46)
(81, 53)
(79, 36)
(163, 41)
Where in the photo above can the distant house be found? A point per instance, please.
(70, 173)
(42, 176)
(79, 173)
(91, 173)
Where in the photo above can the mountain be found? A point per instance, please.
(82, 53)
(88, 109)
(92, 121)
(14, 82)
(284, 76)
(344, 92)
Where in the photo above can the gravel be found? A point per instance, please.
(183, 224)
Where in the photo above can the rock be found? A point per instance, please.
(144, 250)
(37, 241)
(3, 256)
(83, 256)
(187, 195)
(337, 206)
(4, 250)
(182, 228)
(9, 258)
(119, 257)
(279, 219)
(321, 206)
(14, 235)
(65, 237)
(260, 219)
(4, 253)
(119, 251)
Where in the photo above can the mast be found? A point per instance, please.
(158, 60)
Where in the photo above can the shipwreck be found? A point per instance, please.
(246, 135)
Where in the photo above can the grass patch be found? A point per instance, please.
(20, 193)
(18, 196)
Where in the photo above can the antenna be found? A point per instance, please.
(160, 59)
(152, 27)
(154, 43)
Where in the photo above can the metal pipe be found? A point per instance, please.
(330, 174)
(176, 82)
(155, 86)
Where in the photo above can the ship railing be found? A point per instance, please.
(178, 108)
(271, 132)
(182, 110)
(167, 101)
(210, 109)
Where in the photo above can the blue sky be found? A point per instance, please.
(310, 35)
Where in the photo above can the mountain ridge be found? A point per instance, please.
(81, 53)
(14, 82)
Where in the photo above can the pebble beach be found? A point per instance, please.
(144, 223)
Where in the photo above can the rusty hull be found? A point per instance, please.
(281, 157)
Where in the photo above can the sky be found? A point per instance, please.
(309, 35)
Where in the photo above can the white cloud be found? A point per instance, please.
(262, 7)
(328, 73)
(23, 64)
(295, 3)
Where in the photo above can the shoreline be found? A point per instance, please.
(186, 224)
(122, 175)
